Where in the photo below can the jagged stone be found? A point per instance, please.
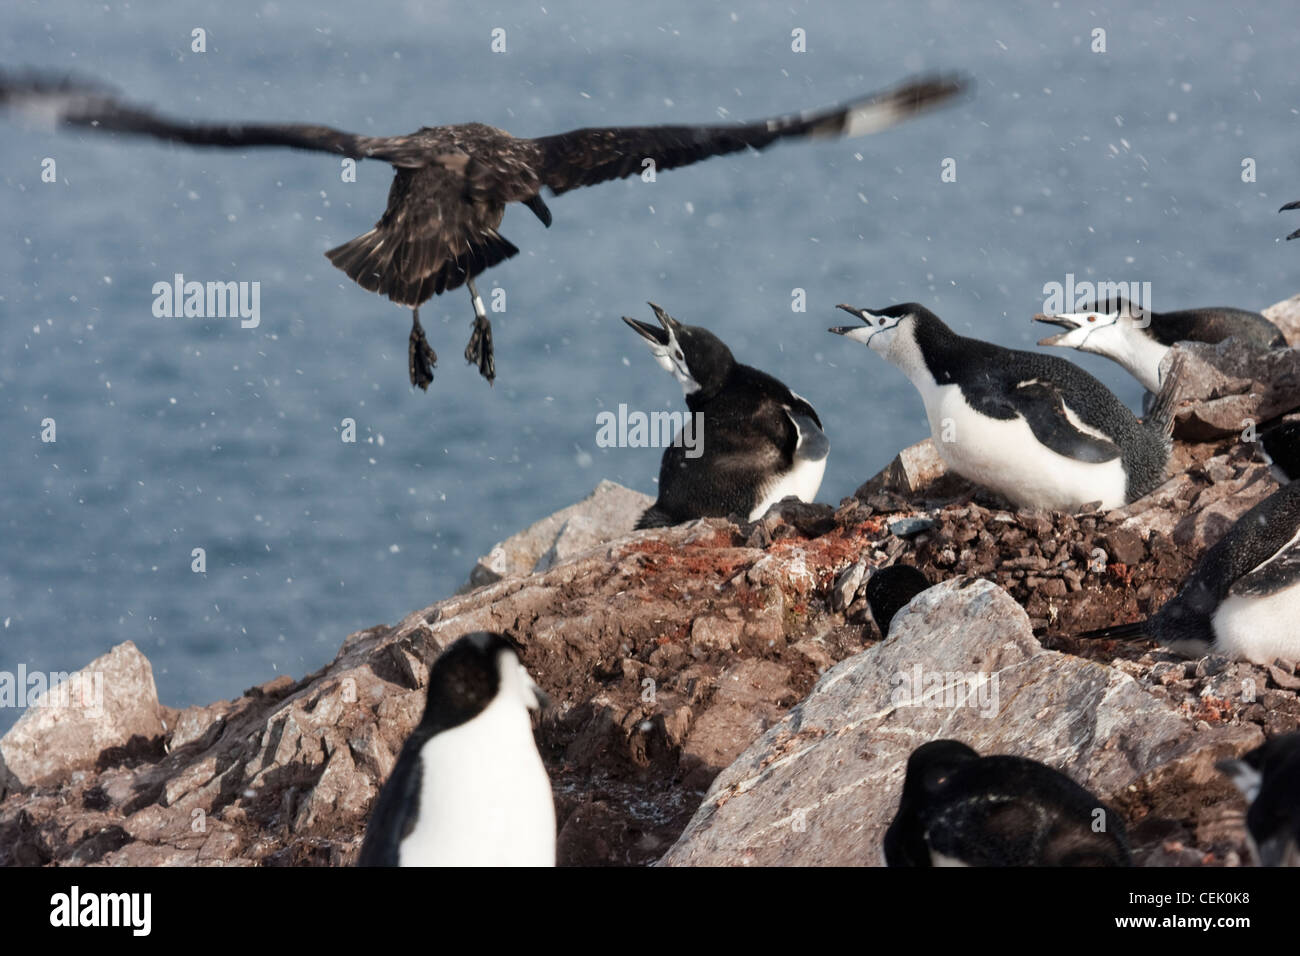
(961, 662)
(1286, 316)
(107, 704)
(916, 472)
(1223, 389)
(668, 651)
(609, 512)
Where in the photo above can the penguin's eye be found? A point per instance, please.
(882, 322)
(681, 357)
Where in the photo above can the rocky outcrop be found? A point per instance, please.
(607, 513)
(667, 654)
(1286, 316)
(674, 658)
(916, 472)
(962, 662)
(110, 704)
(1223, 390)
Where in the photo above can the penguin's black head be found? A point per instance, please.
(1269, 778)
(890, 589)
(929, 770)
(470, 675)
(931, 766)
(698, 359)
(1111, 304)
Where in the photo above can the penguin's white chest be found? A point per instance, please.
(803, 480)
(1259, 628)
(485, 799)
(1004, 456)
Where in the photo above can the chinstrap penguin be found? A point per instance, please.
(891, 589)
(1242, 600)
(1034, 428)
(1269, 778)
(451, 184)
(961, 809)
(468, 788)
(759, 442)
(1139, 339)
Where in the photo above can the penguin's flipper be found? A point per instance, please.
(1042, 405)
(392, 819)
(799, 405)
(813, 444)
(1279, 572)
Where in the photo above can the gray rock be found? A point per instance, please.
(195, 723)
(907, 527)
(1212, 664)
(822, 785)
(1125, 546)
(1284, 676)
(106, 704)
(1225, 387)
(716, 633)
(582, 532)
(917, 471)
(746, 703)
(1216, 506)
(609, 512)
(1286, 316)
(846, 585)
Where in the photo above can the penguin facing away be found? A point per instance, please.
(1034, 428)
(468, 788)
(891, 589)
(961, 809)
(1242, 600)
(757, 441)
(1139, 339)
(1269, 778)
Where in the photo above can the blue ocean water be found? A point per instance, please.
(176, 434)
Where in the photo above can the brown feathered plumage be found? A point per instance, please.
(452, 183)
